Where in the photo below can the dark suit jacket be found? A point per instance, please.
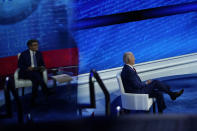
(131, 81)
(25, 61)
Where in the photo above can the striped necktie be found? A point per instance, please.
(34, 59)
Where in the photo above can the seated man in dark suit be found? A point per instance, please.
(31, 65)
(133, 84)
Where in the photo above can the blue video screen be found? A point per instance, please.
(93, 8)
(45, 20)
(103, 47)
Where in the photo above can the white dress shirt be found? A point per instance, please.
(131, 67)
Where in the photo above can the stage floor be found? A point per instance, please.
(62, 105)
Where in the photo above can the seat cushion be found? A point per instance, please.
(133, 101)
(23, 83)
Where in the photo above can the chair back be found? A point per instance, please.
(118, 76)
(18, 55)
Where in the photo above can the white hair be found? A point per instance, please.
(127, 57)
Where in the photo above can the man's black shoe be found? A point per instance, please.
(174, 95)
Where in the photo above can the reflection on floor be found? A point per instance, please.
(62, 105)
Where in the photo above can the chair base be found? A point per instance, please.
(126, 111)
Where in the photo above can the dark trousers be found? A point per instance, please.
(155, 90)
(37, 79)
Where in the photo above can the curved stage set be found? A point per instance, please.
(78, 36)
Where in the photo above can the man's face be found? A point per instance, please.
(132, 59)
(34, 46)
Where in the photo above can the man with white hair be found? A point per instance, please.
(133, 84)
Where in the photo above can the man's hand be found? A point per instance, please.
(42, 68)
(30, 68)
(148, 81)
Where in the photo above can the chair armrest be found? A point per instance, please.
(45, 77)
(136, 97)
(16, 74)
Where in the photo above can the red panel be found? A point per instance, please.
(8, 65)
(61, 57)
(53, 58)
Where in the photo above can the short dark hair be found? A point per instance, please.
(29, 42)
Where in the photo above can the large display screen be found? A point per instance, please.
(103, 47)
(99, 48)
(45, 20)
(93, 8)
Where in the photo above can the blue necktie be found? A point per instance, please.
(34, 58)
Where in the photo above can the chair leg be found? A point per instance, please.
(17, 91)
(7, 102)
(154, 108)
(54, 83)
(23, 91)
(80, 112)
